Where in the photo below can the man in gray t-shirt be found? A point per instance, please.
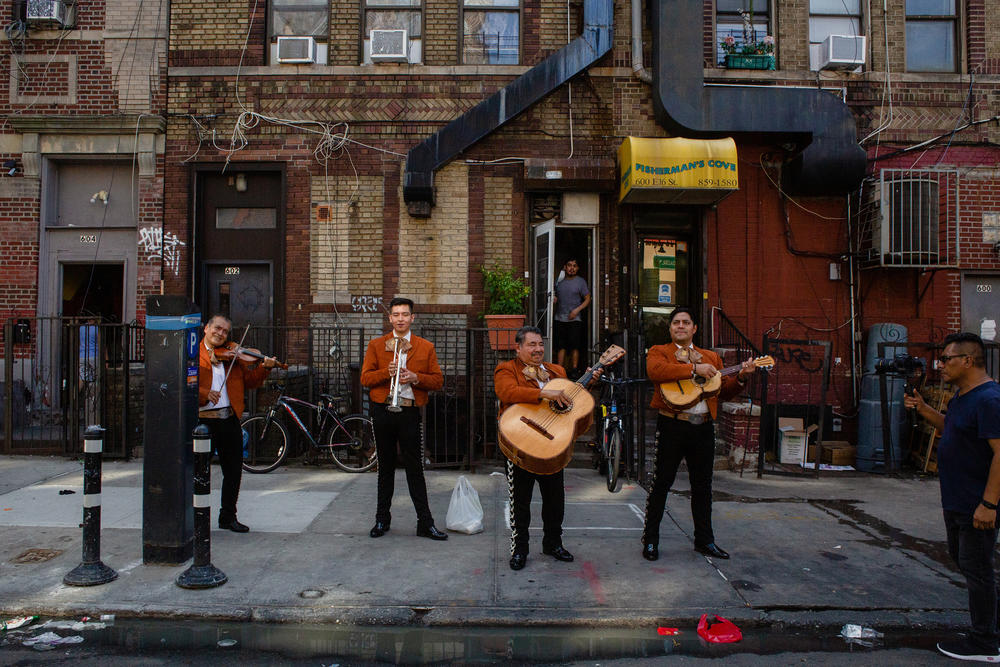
(569, 329)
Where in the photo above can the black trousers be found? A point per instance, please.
(227, 443)
(403, 428)
(521, 484)
(680, 440)
(972, 550)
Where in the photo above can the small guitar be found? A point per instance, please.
(683, 394)
(539, 436)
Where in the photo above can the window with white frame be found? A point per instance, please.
(834, 17)
(300, 20)
(491, 32)
(393, 16)
(743, 22)
(931, 29)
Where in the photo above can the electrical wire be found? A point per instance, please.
(785, 195)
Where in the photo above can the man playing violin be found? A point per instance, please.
(522, 380)
(685, 434)
(409, 361)
(220, 397)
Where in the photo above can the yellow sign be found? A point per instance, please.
(681, 171)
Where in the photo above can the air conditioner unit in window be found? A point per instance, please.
(388, 45)
(48, 12)
(842, 52)
(294, 50)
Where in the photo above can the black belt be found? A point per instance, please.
(694, 420)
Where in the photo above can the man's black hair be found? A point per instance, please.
(524, 331)
(678, 311)
(965, 338)
(401, 301)
(221, 317)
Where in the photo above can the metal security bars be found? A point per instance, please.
(909, 218)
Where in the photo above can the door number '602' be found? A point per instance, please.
(232, 271)
(984, 288)
(88, 238)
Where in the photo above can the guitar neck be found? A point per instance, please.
(589, 375)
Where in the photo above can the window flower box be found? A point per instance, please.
(750, 61)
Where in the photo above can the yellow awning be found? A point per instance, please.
(676, 171)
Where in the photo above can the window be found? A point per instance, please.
(300, 18)
(492, 32)
(746, 21)
(394, 15)
(931, 26)
(833, 17)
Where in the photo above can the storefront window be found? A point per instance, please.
(663, 285)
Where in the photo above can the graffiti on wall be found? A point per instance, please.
(153, 242)
(366, 304)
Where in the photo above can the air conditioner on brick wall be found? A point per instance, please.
(296, 50)
(388, 45)
(842, 52)
(48, 12)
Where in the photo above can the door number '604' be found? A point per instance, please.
(88, 238)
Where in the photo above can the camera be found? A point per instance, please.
(903, 365)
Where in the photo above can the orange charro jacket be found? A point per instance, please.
(662, 366)
(241, 378)
(513, 386)
(421, 359)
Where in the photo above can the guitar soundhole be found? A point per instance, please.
(558, 410)
(699, 380)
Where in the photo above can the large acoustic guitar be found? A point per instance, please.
(684, 394)
(539, 436)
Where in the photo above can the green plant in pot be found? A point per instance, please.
(505, 294)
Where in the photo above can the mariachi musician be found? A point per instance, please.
(685, 434)
(522, 380)
(399, 369)
(220, 397)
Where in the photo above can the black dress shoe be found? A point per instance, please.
(431, 532)
(234, 526)
(559, 553)
(650, 552)
(712, 549)
(518, 561)
(379, 529)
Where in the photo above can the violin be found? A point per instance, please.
(247, 354)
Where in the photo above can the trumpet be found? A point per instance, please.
(394, 383)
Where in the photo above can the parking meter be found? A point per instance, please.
(173, 334)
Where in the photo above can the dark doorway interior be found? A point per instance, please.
(90, 290)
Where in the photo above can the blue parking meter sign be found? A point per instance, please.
(192, 343)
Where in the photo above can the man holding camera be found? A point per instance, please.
(969, 470)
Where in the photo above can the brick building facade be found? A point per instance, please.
(285, 186)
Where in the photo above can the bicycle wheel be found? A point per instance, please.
(265, 444)
(614, 459)
(352, 444)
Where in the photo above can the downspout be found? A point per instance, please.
(638, 68)
(506, 104)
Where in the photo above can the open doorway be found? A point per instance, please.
(573, 306)
(93, 290)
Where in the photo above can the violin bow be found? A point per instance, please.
(233, 361)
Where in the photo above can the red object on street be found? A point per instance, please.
(723, 632)
(667, 631)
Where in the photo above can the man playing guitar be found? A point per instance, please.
(522, 380)
(685, 434)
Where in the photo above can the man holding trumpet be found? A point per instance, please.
(399, 370)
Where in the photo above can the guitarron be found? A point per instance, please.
(683, 394)
(539, 436)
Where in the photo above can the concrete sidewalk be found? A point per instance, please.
(841, 549)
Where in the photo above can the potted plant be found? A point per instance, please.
(750, 53)
(505, 295)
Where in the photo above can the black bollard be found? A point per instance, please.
(202, 574)
(91, 571)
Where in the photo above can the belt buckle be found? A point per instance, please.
(696, 420)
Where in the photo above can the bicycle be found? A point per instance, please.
(611, 433)
(349, 440)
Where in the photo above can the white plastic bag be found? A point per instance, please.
(465, 512)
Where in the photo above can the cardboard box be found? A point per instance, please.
(794, 440)
(835, 452)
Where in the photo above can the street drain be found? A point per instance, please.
(36, 556)
(311, 594)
